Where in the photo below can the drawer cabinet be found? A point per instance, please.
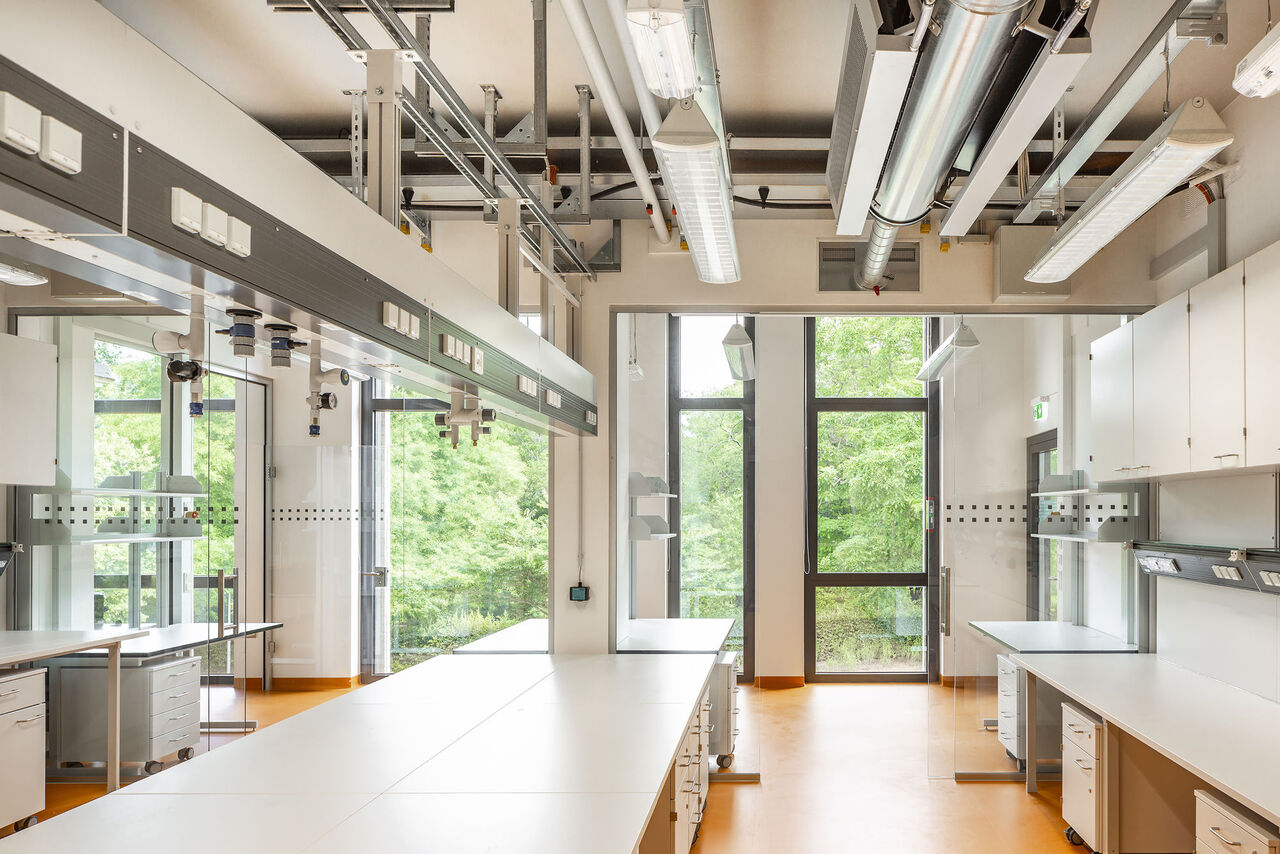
(724, 709)
(1081, 800)
(159, 711)
(22, 745)
(1221, 828)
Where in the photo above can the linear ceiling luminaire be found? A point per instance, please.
(700, 188)
(1045, 84)
(1258, 74)
(873, 87)
(1187, 140)
(963, 338)
(21, 276)
(660, 32)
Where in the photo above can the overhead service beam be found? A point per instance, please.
(427, 71)
(1143, 69)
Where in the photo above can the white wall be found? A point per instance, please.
(646, 438)
(315, 533)
(780, 499)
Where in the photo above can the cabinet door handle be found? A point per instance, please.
(1075, 729)
(1216, 832)
(1082, 766)
(9, 693)
(29, 720)
(1224, 456)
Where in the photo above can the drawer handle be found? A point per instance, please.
(1006, 714)
(1222, 457)
(692, 787)
(181, 717)
(172, 740)
(1082, 766)
(737, 731)
(1074, 729)
(1216, 832)
(10, 693)
(178, 696)
(29, 720)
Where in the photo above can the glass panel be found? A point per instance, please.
(870, 491)
(704, 371)
(868, 356)
(869, 629)
(468, 535)
(711, 517)
(127, 423)
(217, 575)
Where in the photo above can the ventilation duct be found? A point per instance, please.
(956, 71)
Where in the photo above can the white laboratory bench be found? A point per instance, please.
(1049, 636)
(24, 647)
(1208, 733)
(184, 636)
(637, 636)
(466, 754)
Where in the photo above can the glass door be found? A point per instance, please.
(868, 604)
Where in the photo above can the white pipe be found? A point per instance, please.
(605, 89)
(648, 104)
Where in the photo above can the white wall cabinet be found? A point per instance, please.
(1161, 390)
(1111, 404)
(1217, 327)
(1262, 356)
(29, 429)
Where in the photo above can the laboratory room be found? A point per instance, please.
(570, 427)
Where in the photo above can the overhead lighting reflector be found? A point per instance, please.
(1258, 74)
(696, 165)
(740, 353)
(21, 276)
(660, 32)
(1187, 140)
(963, 338)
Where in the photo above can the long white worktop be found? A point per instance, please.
(1222, 734)
(1049, 636)
(21, 647)
(636, 636)
(511, 753)
(184, 636)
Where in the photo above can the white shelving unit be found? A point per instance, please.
(1079, 512)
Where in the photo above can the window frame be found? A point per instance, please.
(928, 578)
(677, 405)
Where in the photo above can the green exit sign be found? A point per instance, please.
(1039, 410)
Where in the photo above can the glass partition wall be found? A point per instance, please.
(157, 521)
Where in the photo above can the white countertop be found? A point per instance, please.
(20, 647)
(671, 635)
(1049, 636)
(515, 753)
(1222, 734)
(527, 637)
(182, 636)
(674, 635)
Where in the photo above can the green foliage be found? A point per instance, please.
(469, 535)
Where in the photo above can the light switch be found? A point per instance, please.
(213, 224)
(239, 237)
(415, 327)
(477, 360)
(19, 124)
(553, 398)
(390, 315)
(60, 145)
(185, 210)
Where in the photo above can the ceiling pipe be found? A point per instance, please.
(955, 72)
(606, 90)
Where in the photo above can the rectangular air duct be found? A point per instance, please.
(873, 87)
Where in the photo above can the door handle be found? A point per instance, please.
(944, 606)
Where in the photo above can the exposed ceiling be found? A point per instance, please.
(779, 62)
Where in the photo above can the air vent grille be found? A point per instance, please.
(838, 260)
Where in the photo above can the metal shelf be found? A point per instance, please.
(143, 493)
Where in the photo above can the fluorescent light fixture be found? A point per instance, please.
(660, 32)
(696, 165)
(873, 86)
(740, 353)
(21, 276)
(1186, 141)
(1257, 74)
(963, 337)
(1046, 82)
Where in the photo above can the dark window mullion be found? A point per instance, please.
(872, 404)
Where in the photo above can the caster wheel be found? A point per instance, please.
(1073, 837)
(73, 765)
(725, 761)
(186, 753)
(29, 821)
(153, 766)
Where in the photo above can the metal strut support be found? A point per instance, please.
(431, 75)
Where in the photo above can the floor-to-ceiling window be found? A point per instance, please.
(711, 456)
(871, 446)
(460, 543)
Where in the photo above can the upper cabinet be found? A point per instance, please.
(1111, 405)
(1161, 391)
(1217, 405)
(28, 432)
(1262, 356)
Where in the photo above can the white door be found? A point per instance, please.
(1217, 371)
(1262, 357)
(1161, 390)
(1111, 405)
